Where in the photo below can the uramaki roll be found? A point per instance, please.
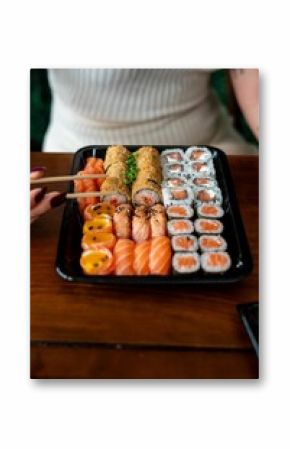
(116, 153)
(118, 192)
(146, 192)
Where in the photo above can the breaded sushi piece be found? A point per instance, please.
(185, 242)
(146, 192)
(158, 221)
(180, 226)
(160, 256)
(185, 262)
(212, 243)
(208, 226)
(210, 211)
(141, 224)
(115, 191)
(215, 262)
(179, 211)
(115, 153)
(122, 221)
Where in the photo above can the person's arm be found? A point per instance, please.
(40, 201)
(246, 87)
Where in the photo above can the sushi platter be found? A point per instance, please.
(160, 215)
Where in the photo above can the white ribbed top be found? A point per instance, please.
(134, 106)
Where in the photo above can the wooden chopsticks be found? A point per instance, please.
(65, 178)
(74, 195)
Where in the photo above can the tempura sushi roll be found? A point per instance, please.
(210, 211)
(114, 154)
(203, 181)
(115, 191)
(185, 262)
(175, 169)
(208, 226)
(215, 262)
(201, 168)
(146, 192)
(179, 211)
(204, 195)
(183, 226)
(177, 195)
(198, 154)
(174, 182)
(172, 156)
(184, 242)
(212, 243)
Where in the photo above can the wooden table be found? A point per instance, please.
(86, 331)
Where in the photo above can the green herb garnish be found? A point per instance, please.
(131, 170)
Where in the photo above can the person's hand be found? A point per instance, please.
(40, 201)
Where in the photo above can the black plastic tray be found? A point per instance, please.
(69, 248)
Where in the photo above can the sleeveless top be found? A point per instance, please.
(135, 106)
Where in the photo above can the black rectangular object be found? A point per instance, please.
(69, 244)
(250, 317)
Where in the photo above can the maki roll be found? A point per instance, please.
(198, 154)
(209, 211)
(185, 242)
(215, 262)
(203, 181)
(176, 227)
(175, 169)
(177, 195)
(202, 168)
(172, 156)
(179, 211)
(185, 262)
(208, 226)
(212, 243)
(174, 182)
(205, 195)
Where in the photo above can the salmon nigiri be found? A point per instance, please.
(158, 221)
(141, 225)
(141, 258)
(160, 256)
(124, 257)
(122, 221)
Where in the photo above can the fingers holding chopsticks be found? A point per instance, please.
(43, 202)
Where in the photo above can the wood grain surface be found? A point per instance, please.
(192, 321)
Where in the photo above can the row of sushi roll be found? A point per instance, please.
(123, 240)
(190, 189)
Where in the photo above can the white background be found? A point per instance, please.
(135, 414)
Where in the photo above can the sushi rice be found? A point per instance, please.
(180, 211)
(182, 226)
(208, 226)
(212, 243)
(186, 262)
(209, 210)
(215, 262)
(198, 154)
(184, 242)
